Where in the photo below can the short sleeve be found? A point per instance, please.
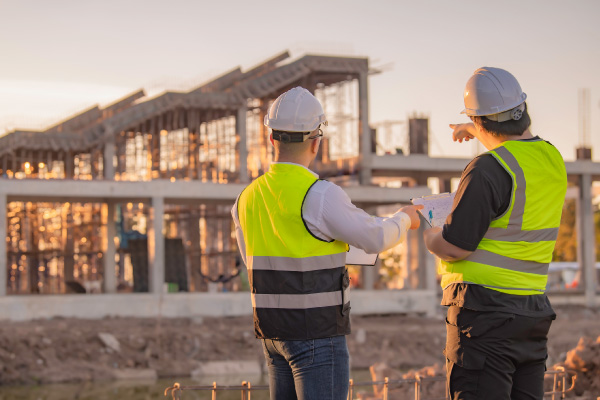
(483, 194)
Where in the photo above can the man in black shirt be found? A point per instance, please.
(496, 245)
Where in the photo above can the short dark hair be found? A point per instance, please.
(506, 128)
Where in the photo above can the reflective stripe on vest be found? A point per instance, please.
(304, 264)
(512, 257)
(301, 301)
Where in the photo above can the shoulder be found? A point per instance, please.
(488, 167)
(322, 189)
(483, 162)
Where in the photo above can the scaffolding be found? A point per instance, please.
(211, 134)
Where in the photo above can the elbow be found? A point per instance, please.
(454, 255)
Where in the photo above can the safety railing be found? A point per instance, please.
(559, 388)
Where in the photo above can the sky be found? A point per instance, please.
(60, 57)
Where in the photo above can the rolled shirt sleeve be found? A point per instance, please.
(329, 214)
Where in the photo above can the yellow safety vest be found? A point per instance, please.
(514, 254)
(299, 282)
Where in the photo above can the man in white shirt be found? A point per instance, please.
(293, 232)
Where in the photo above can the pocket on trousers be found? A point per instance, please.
(463, 381)
(476, 323)
(298, 353)
(457, 350)
(268, 357)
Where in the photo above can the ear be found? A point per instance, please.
(314, 146)
(271, 139)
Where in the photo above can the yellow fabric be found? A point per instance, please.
(270, 216)
(546, 183)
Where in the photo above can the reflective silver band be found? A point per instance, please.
(496, 260)
(297, 301)
(514, 235)
(296, 264)
(518, 209)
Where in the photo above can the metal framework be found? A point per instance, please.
(211, 134)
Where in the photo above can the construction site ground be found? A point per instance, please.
(77, 350)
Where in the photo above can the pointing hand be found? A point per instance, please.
(462, 132)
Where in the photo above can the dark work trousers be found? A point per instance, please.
(495, 355)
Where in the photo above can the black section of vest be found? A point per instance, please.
(292, 282)
(294, 324)
(304, 324)
(302, 216)
(484, 194)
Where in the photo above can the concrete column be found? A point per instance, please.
(365, 150)
(109, 155)
(418, 260)
(156, 247)
(3, 254)
(587, 240)
(240, 125)
(110, 278)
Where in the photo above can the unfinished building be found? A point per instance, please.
(136, 196)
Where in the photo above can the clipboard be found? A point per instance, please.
(436, 207)
(357, 256)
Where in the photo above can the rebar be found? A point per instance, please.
(246, 388)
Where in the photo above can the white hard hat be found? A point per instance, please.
(495, 93)
(296, 110)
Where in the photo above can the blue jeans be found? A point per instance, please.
(316, 369)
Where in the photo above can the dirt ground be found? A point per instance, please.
(75, 350)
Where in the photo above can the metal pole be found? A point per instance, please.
(214, 391)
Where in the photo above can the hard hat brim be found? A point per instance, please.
(497, 110)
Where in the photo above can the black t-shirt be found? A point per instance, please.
(484, 194)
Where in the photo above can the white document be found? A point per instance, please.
(436, 207)
(357, 256)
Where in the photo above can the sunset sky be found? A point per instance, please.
(60, 57)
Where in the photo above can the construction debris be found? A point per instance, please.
(585, 360)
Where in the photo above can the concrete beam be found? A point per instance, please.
(185, 305)
(173, 192)
(391, 164)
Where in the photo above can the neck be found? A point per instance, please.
(304, 161)
(491, 142)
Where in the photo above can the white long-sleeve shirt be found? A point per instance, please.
(329, 214)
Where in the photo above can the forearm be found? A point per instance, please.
(437, 245)
(374, 234)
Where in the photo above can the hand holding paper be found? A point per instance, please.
(412, 212)
(436, 208)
